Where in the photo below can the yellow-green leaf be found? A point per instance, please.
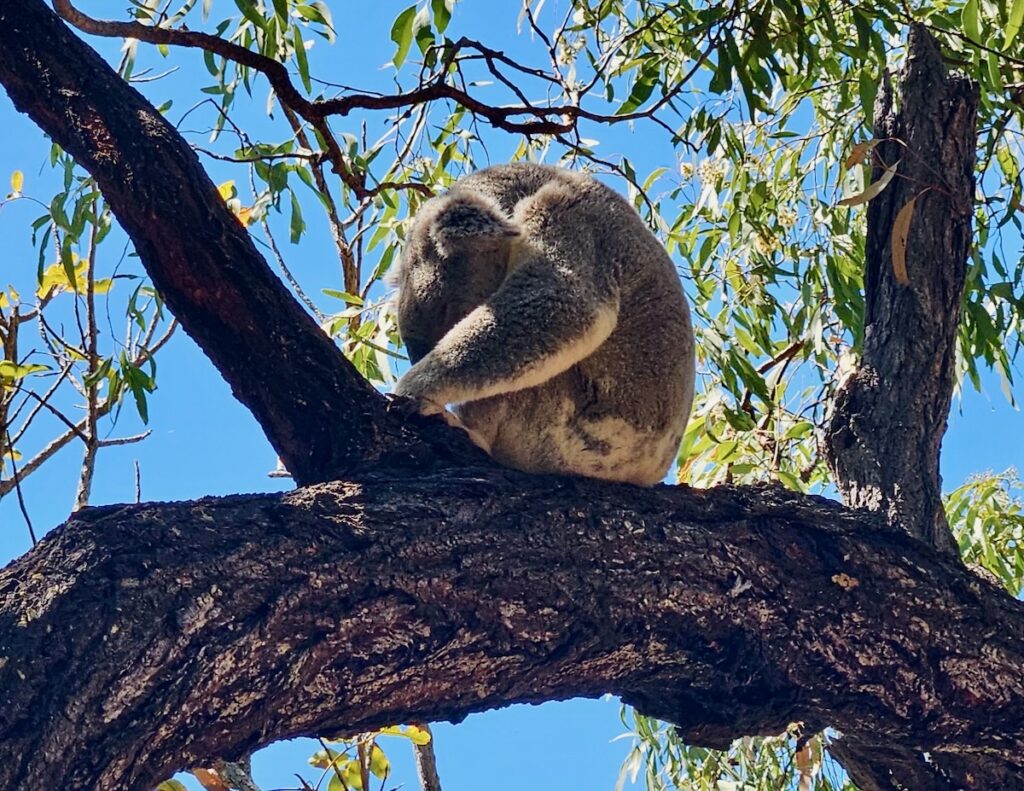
(413, 733)
(970, 20)
(227, 189)
(10, 371)
(417, 735)
(380, 766)
(17, 181)
(171, 785)
(1013, 25)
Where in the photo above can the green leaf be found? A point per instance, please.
(401, 34)
(1013, 26)
(281, 9)
(442, 10)
(301, 60)
(171, 785)
(643, 87)
(250, 12)
(867, 88)
(297, 225)
(970, 20)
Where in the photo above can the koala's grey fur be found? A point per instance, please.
(537, 301)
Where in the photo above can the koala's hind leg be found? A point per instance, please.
(544, 319)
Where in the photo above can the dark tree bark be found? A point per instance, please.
(890, 415)
(137, 640)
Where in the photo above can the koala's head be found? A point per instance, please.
(455, 257)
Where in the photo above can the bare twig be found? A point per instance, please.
(426, 762)
(16, 478)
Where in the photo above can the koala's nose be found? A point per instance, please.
(416, 349)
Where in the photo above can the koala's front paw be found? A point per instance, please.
(412, 405)
(408, 404)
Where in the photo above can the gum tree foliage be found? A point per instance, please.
(762, 114)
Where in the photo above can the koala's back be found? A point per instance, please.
(620, 413)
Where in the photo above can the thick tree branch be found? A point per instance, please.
(890, 414)
(321, 416)
(137, 640)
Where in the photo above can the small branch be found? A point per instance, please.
(16, 483)
(91, 385)
(426, 761)
(116, 441)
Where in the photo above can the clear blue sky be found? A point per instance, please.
(204, 442)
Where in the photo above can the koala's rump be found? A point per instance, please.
(585, 421)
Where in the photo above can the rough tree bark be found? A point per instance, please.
(140, 639)
(890, 414)
(136, 640)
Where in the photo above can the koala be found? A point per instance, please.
(536, 302)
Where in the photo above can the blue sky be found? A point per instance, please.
(204, 442)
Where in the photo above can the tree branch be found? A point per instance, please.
(321, 416)
(137, 640)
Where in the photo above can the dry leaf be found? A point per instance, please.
(209, 780)
(873, 190)
(860, 151)
(900, 234)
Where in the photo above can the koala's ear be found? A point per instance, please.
(466, 220)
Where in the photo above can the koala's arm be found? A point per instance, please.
(544, 318)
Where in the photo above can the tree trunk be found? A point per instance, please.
(890, 415)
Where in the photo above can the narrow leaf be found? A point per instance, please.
(17, 181)
(971, 21)
(860, 152)
(900, 234)
(873, 190)
(301, 60)
(1013, 26)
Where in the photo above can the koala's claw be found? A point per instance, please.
(475, 437)
(412, 405)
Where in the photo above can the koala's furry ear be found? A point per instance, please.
(464, 220)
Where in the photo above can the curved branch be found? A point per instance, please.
(551, 120)
(137, 640)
